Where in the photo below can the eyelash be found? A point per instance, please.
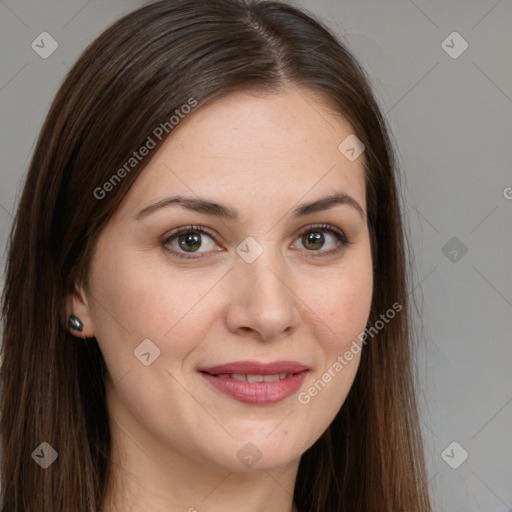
(323, 228)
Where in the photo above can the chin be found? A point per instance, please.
(258, 454)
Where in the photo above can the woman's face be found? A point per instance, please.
(225, 342)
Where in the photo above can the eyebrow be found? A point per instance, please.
(218, 210)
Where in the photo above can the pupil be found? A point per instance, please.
(313, 240)
(190, 242)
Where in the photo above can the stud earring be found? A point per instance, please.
(75, 323)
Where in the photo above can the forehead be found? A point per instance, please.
(244, 146)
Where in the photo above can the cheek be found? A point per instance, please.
(344, 303)
(132, 302)
(350, 308)
(342, 309)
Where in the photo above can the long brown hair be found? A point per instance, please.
(128, 82)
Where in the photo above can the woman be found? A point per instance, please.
(206, 302)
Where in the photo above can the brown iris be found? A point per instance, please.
(313, 240)
(190, 241)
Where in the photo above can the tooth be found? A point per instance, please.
(270, 378)
(223, 375)
(254, 378)
(239, 376)
(282, 376)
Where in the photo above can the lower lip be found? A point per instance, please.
(261, 393)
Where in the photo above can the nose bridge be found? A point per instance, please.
(264, 301)
(267, 281)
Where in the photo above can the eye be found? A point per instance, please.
(188, 240)
(192, 241)
(316, 238)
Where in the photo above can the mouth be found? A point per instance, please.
(256, 383)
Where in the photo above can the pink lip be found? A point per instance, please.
(261, 393)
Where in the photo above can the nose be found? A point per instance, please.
(263, 303)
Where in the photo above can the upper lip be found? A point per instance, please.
(255, 368)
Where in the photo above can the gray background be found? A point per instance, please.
(451, 120)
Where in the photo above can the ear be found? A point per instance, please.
(77, 304)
